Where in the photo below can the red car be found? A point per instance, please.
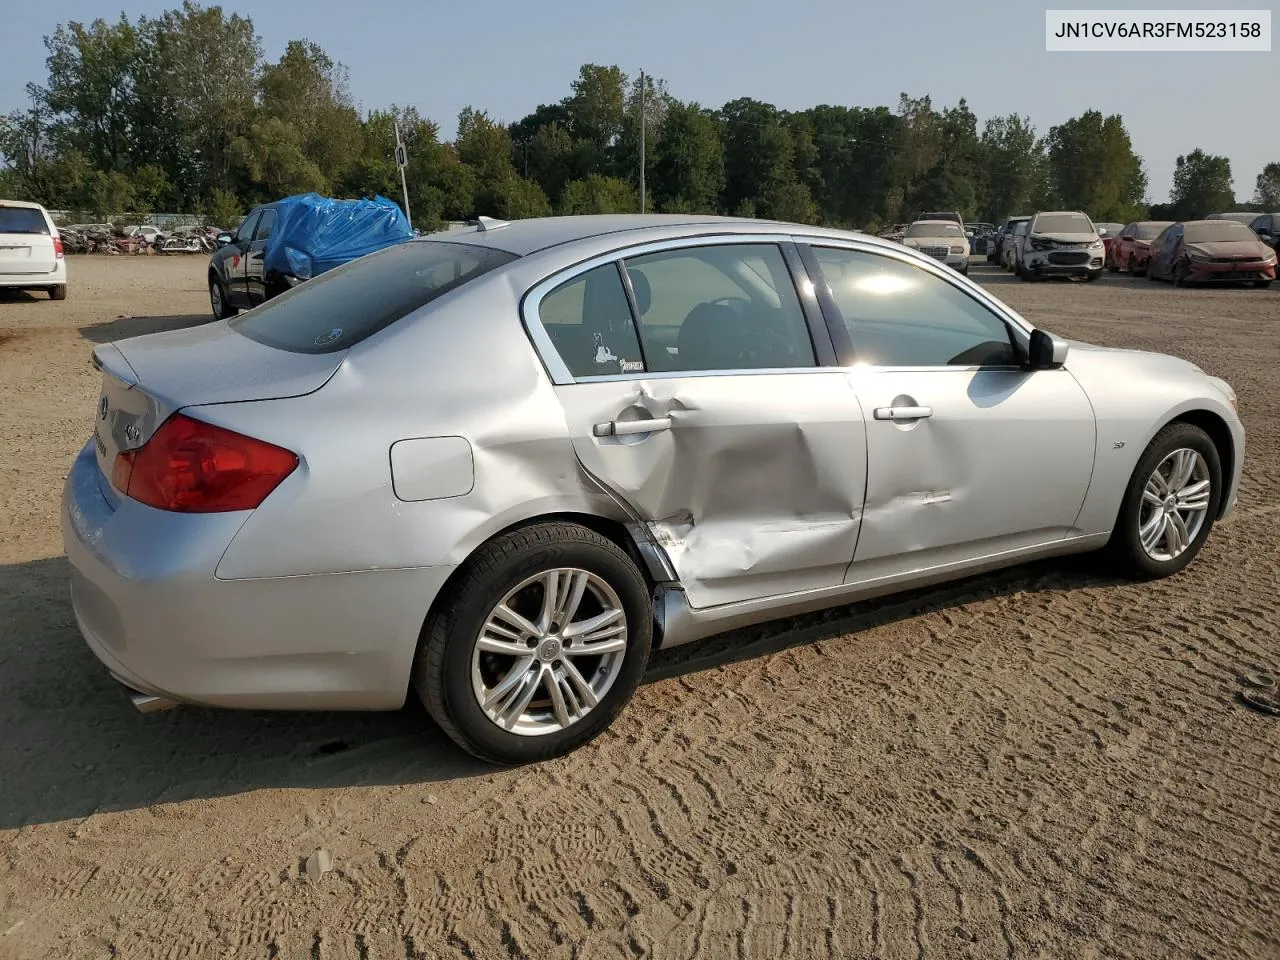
(1107, 232)
(1130, 250)
(1211, 251)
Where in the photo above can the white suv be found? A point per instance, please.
(1062, 243)
(31, 250)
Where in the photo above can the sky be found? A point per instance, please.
(507, 57)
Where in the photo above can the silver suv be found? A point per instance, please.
(1060, 243)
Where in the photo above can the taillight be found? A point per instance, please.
(57, 247)
(190, 466)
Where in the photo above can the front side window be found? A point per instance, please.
(901, 315)
(343, 306)
(265, 224)
(244, 232)
(722, 307)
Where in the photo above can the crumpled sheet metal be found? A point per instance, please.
(751, 491)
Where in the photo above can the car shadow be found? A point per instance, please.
(122, 328)
(14, 295)
(73, 745)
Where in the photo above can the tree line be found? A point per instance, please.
(184, 112)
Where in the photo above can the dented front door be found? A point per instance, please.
(753, 483)
(966, 463)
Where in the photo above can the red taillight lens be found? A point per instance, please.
(190, 466)
(57, 247)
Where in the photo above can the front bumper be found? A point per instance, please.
(1048, 262)
(151, 609)
(1236, 272)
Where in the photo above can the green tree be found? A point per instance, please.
(1201, 185)
(1016, 167)
(596, 110)
(1092, 167)
(598, 194)
(687, 173)
(273, 160)
(224, 210)
(1266, 190)
(758, 153)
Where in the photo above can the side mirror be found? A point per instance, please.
(1126, 236)
(224, 239)
(1047, 352)
(1264, 233)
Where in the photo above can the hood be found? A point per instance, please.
(1067, 237)
(1230, 248)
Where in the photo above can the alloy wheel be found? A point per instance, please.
(1175, 503)
(549, 651)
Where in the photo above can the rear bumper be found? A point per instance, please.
(49, 279)
(151, 609)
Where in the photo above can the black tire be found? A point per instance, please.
(1181, 274)
(1124, 546)
(1112, 265)
(58, 292)
(1093, 276)
(1261, 284)
(222, 310)
(442, 668)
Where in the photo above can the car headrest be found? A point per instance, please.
(640, 285)
(709, 337)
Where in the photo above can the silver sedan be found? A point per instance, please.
(498, 466)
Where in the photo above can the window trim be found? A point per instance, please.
(258, 226)
(558, 371)
(1019, 329)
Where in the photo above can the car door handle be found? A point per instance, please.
(626, 428)
(903, 413)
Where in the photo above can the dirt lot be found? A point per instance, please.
(1039, 763)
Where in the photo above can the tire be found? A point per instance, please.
(1180, 275)
(218, 299)
(1125, 546)
(58, 292)
(1261, 284)
(448, 666)
(1112, 265)
(1093, 275)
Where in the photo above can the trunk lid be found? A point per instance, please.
(145, 379)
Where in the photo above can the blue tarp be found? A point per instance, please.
(313, 234)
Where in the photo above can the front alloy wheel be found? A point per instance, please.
(1170, 504)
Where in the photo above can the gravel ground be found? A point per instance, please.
(1043, 762)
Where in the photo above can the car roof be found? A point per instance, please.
(1062, 213)
(948, 223)
(21, 203)
(528, 236)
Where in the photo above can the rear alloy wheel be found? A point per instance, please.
(218, 299)
(58, 292)
(537, 646)
(1170, 504)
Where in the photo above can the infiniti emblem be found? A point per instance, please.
(102, 408)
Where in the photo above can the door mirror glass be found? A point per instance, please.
(224, 239)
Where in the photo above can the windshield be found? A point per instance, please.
(1020, 227)
(22, 220)
(345, 305)
(1245, 218)
(1217, 231)
(1064, 223)
(1108, 229)
(1149, 231)
(949, 229)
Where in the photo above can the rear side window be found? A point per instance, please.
(589, 321)
(347, 304)
(22, 220)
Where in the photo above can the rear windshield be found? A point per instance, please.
(949, 229)
(1064, 223)
(343, 306)
(1149, 231)
(22, 220)
(1216, 231)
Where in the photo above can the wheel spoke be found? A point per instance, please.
(1158, 485)
(581, 687)
(1151, 495)
(616, 644)
(1152, 532)
(558, 705)
(572, 597)
(510, 648)
(1194, 496)
(597, 628)
(1177, 537)
(1183, 466)
(514, 708)
(517, 672)
(504, 613)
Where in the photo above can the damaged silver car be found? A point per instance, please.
(498, 466)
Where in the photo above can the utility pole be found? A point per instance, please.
(402, 157)
(642, 141)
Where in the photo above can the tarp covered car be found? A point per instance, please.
(281, 244)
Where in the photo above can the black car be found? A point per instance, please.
(1267, 227)
(996, 247)
(237, 279)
